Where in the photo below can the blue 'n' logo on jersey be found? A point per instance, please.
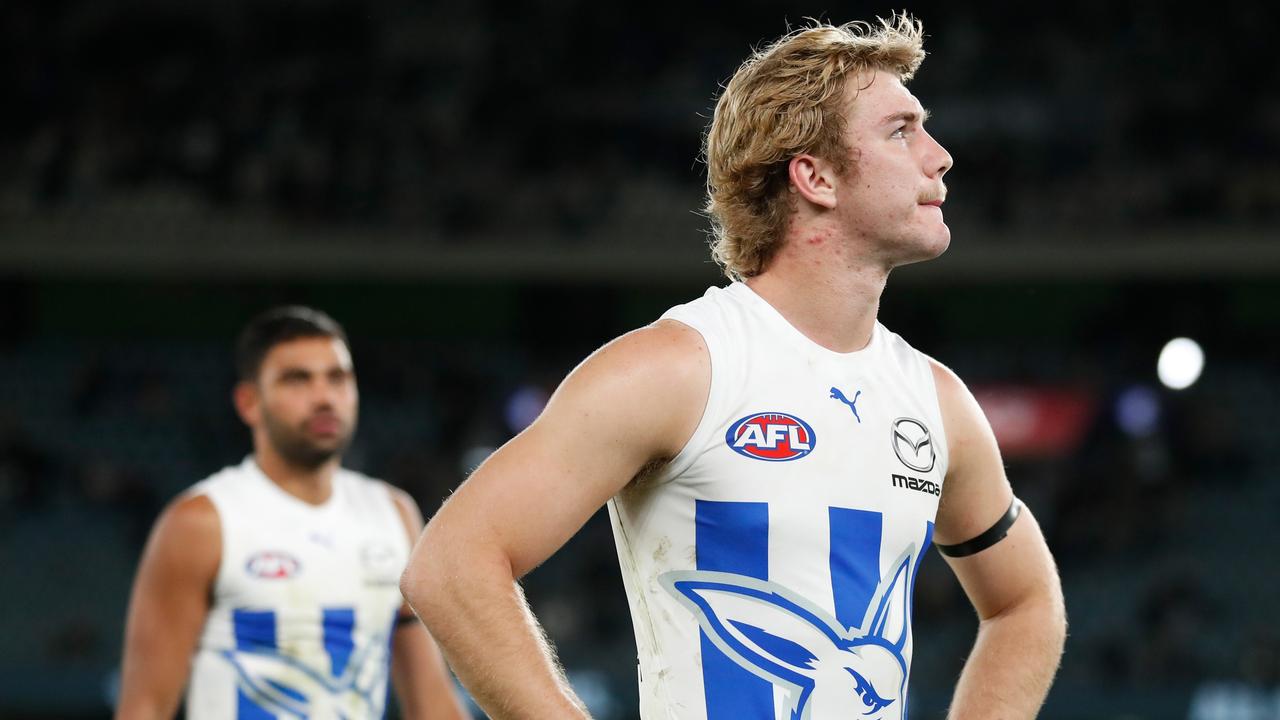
(757, 634)
(259, 664)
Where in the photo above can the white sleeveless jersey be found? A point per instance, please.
(304, 602)
(769, 565)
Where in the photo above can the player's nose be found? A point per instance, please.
(323, 395)
(937, 161)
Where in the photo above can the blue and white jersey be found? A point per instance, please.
(769, 566)
(304, 603)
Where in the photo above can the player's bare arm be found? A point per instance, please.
(1013, 583)
(168, 607)
(418, 672)
(636, 400)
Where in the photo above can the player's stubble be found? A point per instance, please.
(301, 448)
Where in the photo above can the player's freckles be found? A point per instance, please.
(897, 192)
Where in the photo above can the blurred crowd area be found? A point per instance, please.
(1160, 507)
(569, 119)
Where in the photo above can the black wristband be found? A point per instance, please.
(992, 536)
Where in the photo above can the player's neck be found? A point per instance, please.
(824, 291)
(313, 486)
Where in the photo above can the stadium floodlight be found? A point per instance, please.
(1180, 364)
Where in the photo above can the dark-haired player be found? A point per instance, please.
(269, 589)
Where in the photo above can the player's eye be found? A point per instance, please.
(900, 133)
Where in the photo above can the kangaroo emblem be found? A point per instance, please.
(853, 404)
(778, 635)
(309, 689)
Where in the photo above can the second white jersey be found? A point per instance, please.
(304, 603)
(770, 566)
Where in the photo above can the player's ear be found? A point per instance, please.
(247, 400)
(814, 179)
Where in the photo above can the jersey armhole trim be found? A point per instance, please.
(406, 532)
(207, 491)
(688, 454)
(943, 448)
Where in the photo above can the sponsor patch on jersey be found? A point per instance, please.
(272, 565)
(913, 444)
(381, 564)
(771, 436)
(914, 483)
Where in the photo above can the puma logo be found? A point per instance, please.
(853, 404)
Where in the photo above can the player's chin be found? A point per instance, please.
(330, 443)
(311, 454)
(940, 240)
(933, 238)
(326, 443)
(926, 245)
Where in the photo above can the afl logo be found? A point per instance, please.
(912, 444)
(774, 437)
(272, 565)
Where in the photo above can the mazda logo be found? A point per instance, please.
(913, 444)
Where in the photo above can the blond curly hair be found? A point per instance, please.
(783, 101)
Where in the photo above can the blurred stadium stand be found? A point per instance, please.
(483, 193)
(141, 134)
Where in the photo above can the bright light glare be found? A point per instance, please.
(1180, 363)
